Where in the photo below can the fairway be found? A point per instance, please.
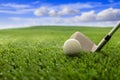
(35, 53)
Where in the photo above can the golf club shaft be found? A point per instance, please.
(107, 37)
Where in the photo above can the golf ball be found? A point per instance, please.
(71, 47)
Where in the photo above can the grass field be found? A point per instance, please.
(36, 53)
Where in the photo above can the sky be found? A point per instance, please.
(25, 13)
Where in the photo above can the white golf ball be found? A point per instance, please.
(71, 47)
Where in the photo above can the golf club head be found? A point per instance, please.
(86, 44)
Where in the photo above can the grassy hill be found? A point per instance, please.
(36, 53)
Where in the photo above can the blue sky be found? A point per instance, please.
(22, 13)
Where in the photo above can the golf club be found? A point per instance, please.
(107, 38)
(87, 45)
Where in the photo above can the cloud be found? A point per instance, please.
(69, 21)
(13, 8)
(14, 5)
(105, 17)
(43, 11)
(68, 11)
(18, 11)
(109, 14)
(81, 14)
(73, 9)
(86, 17)
(62, 9)
(52, 13)
(75, 6)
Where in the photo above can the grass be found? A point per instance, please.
(36, 53)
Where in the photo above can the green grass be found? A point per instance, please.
(36, 53)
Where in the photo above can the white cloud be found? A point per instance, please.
(105, 17)
(87, 16)
(13, 5)
(53, 13)
(65, 14)
(75, 6)
(61, 10)
(57, 21)
(18, 11)
(109, 14)
(13, 8)
(43, 11)
(68, 11)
